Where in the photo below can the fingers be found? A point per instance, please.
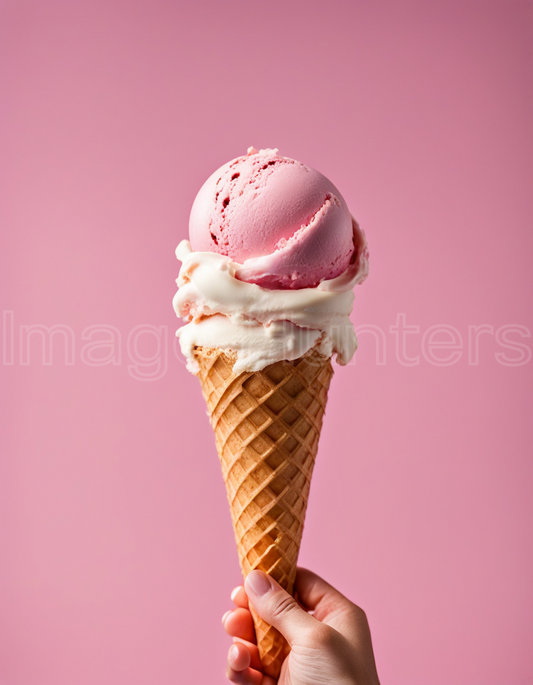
(238, 596)
(318, 596)
(238, 657)
(244, 664)
(332, 607)
(240, 669)
(239, 623)
(278, 608)
(255, 661)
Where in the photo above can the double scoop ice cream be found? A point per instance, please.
(269, 272)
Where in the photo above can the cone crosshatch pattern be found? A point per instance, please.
(267, 426)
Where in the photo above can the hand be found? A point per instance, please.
(332, 645)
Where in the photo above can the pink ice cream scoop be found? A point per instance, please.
(284, 222)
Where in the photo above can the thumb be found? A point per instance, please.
(274, 605)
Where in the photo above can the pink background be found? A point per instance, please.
(117, 553)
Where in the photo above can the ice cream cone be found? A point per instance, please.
(267, 426)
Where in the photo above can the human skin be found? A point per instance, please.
(328, 634)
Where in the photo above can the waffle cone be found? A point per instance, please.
(267, 426)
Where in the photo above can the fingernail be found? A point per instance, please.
(234, 593)
(258, 582)
(225, 616)
(233, 653)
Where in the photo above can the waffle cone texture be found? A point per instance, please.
(267, 426)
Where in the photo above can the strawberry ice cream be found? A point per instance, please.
(269, 271)
(285, 223)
